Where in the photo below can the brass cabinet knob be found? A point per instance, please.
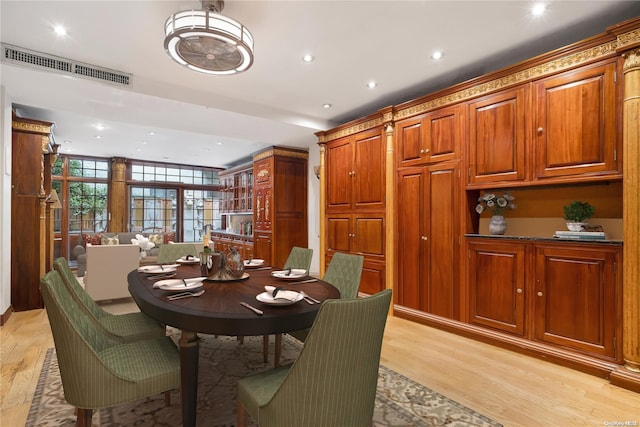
(519, 290)
(540, 129)
(539, 294)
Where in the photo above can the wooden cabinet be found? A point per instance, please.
(356, 172)
(31, 214)
(429, 238)
(280, 203)
(576, 294)
(572, 289)
(498, 125)
(575, 123)
(433, 137)
(497, 278)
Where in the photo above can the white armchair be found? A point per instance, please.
(107, 269)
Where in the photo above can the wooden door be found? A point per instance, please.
(497, 285)
(443, 134)
(442, 242)
(410, 141)
(411, 235)
(497, 137)
(339, 233)
(576, 123)
(368, 176)
(339, 170)
(575, 296)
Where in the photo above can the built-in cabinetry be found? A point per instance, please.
(236, 204)
(558, 293)
(355, 202)
(33, 153)
(280, 203)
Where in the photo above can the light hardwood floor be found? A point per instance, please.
(513, 389)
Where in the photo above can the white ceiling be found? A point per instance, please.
(278, 101)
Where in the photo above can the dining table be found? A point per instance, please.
(225, 308)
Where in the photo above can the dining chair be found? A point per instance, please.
(128, 327)
(170, 252)
(97, 370)
(333, 381)
(344, 272)
(298, 258)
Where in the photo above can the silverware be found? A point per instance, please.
(307, 296)
(304, 281)
(263, 268)
(252, 308)
(185, 295)
(160, 276)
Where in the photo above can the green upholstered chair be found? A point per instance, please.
(169, 253)
(333, 381)
(299, 258)
(98, 371)
(127, 327)
(344, 272)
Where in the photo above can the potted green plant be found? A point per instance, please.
(576, 212)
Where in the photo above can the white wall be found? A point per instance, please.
(5, 201)
(313, 208)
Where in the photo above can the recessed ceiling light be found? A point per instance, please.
(138, 149)
(67, 142)
(538, 9)
(59, 30)
(220, 143)
(100, 126)
(68, 150)
(326, 105)
(308, 58)
(98, 136)
(372, 84)
(152, 133)
(437, 55)
(145, 142)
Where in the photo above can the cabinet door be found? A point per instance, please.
(575, 298)
(368, 235)
(339, 169)
(576, 123)
(263, 209)
(434, 137)
(497, 285)
(339, 233)
(262, 248)
(411, 259)
(368, 176)
(497, 137)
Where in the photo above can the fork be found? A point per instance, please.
(307, 296)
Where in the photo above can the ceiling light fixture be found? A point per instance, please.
(538, 9)
(437, 55)
(308, 58)
(326, 105)
(372, 84)
(205, 41)
(59, 30)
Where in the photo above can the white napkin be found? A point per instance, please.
(284, 294)
(190, 281)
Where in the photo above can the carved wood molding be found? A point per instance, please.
(279, 151)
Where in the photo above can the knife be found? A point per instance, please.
(252, 308)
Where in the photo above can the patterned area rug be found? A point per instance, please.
(399, 401)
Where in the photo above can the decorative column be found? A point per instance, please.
(629, 375)
(390, 203)
(321, 215)
(118, 196)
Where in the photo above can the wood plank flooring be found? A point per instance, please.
(513, 389)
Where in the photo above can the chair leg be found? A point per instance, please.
(83, 418)
(242, 419)
(240, 339)
(265, 348)
(167, 398)
(278, 351)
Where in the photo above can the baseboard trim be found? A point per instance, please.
(4, 317)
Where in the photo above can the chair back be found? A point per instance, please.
(78, 343)
(344, 272)
(299, 258)
(62, 267)
(334, 379)
(169, 253)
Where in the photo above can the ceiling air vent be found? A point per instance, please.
(42, 61)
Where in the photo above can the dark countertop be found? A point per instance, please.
(545, 239)
(232, 235)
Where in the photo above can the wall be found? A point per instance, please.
(313, 207)
(5, 201)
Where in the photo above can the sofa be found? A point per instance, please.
(117, 238)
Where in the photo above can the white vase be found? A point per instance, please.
(497, 225)
(576, 226)
(143, 254)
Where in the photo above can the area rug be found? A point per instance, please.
(223, 360)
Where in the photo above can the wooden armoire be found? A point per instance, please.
(33, 153)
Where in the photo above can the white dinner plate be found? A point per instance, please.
(177, 285)
(191, 260)
(156, 269)
(296, 273)
(255, 262)
(266, 298)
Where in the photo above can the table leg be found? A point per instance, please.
(189, 376)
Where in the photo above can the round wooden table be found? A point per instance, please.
(218, 311)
